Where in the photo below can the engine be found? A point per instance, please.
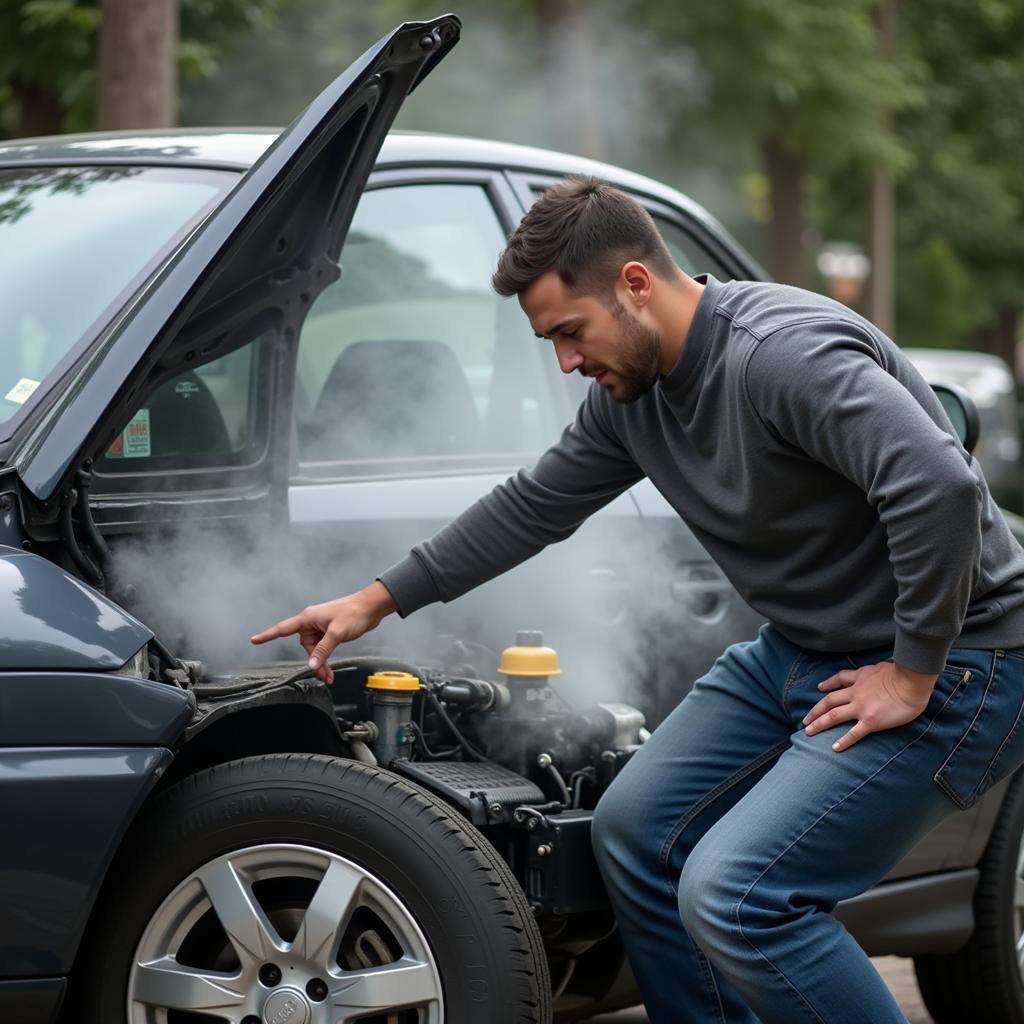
(514, 757)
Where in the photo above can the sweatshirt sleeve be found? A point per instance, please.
(821, 387)
(586, 469)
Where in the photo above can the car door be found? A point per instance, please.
(418, 390)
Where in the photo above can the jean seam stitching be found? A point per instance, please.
(817, 821)
(792, 680)
(709, 978)
(705, 801)
(939, 777)
(1009, 736)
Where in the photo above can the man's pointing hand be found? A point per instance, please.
(321, 627)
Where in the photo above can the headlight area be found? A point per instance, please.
(137, 666)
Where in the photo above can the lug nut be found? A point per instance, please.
(270, 975)
(316, 990)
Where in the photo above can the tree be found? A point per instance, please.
(967, 189)
(48, 55)
(804, 81)
(137, 77)
(47, 60)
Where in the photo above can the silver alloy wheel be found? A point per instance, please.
(339, 889)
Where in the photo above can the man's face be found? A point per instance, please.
(608, 344)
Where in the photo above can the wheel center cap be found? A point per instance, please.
(286, 1006)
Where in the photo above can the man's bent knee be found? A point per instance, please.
(709, 894)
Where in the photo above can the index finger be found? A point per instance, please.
(286, 627)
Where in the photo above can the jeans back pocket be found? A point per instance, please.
(992, 743)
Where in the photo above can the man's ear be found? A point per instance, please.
(635, 282)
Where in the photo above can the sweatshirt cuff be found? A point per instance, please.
(921, 654)
(410, 585)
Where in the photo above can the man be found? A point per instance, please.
(820, 472)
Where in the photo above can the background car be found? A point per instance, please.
(243, 372)
(989, 381)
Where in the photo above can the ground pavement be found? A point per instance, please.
(897, 971)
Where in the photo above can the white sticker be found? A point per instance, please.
(136, 436)
(22, 390)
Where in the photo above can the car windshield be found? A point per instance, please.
(74, 244)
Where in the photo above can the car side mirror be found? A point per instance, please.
(962, 412)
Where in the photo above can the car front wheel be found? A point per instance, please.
(306, 890)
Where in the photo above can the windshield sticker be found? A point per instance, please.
(133, 441)
(186, 388)
(22, 390)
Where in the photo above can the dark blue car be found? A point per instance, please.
(242, 370)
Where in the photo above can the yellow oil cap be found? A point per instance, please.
(393, 681)
(529, 657)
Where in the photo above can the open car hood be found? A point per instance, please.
(255, 264)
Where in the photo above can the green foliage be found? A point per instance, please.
(47, 46)
(48, 50)
(960, 207)
(809, 76)
(938, 305)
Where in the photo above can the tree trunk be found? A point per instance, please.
(567, 49)
(882, 201)
(137, 77)
(786, 228)
(39, 111)
(1000, 337)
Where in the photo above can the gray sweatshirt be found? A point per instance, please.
(811, 460)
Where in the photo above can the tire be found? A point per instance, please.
(430, 908)
(982, 983)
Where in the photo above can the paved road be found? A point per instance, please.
(897, 971)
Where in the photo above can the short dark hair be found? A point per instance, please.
(586, 230)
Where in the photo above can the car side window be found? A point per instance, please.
(202, 418)
(411, 355)
(687, 252)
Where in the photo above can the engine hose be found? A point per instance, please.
(367, 662)
(430, 755)
(544, 761)
(362, 752)
(92, 532)
(67, 530)
(466, 746)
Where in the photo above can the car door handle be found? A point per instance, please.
(704, 591)
(687, 590)
(614, 594)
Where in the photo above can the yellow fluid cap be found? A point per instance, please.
(529, 657)
(393, 681)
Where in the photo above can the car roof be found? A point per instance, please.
(239, 148)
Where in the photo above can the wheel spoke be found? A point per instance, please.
(406, 982)
(167, 984)
(252, 935)
(327, 914)
(1018, 893)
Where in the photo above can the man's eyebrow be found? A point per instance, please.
(560, 326)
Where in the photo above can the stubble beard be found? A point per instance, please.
(639, 350)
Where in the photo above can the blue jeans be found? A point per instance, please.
(731, 834)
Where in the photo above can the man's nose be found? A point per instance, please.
(568, 358)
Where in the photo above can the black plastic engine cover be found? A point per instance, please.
(562, 876)
(486, 793)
